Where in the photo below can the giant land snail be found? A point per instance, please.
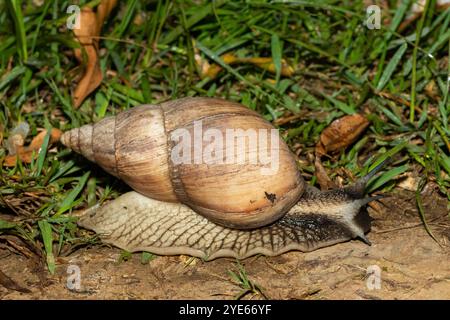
(211, 194)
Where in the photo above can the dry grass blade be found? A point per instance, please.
(422, 217)
(103, 10)
(10, 284)
(322, 177)
(212, 70)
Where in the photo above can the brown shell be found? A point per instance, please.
(136, 146)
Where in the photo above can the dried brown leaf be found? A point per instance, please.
(338, 135)
(25, 154)
(88, 35)
(214, 70)
(341, 133)
(103, 10)
(20, 246)
(91, 79)
(17, 137)
(322, 177)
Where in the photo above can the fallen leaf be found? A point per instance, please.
(338, 135)
(322, 177)
(88, 36)
(92, 74)
(286, 119)
(25, 154)
(10, 284)
(341, 133)
(92, 77)
(37, 142)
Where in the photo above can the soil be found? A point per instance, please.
(405, 259)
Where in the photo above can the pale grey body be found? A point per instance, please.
(136, 223)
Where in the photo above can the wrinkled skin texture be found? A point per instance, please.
(136, 223)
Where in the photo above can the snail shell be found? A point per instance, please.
(138, 145)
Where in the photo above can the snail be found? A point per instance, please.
(191, 196)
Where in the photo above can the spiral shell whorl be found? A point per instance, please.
(80, 141)
(95, 142)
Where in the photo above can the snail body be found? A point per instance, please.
(211, 208)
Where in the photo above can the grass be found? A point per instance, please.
(399, 80)
(247, 286)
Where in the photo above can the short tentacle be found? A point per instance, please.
(357, 190)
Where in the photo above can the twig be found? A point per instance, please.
(10, 284)
(407, 227)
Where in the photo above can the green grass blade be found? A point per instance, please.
(276, 55)
(39, 24)
(392, 65)
(201, 13)
(444, 161)
(6, 225)
(43, 153)
(398, 17)
(389, 154)
(386, 177)
(47, 237)
(11, 76)
(62, 170)
(348, 109)
(392, 116)
(414, 62)
(146, 257)
(15, 11)
(422, 215)
(68, 201)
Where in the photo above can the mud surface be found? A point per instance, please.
(410, 265)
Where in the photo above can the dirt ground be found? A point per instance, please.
(409, 263)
